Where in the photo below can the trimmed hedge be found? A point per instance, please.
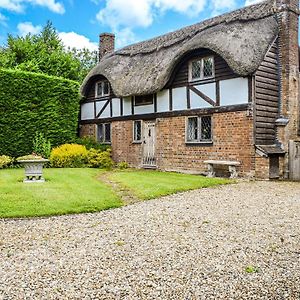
(30, 103)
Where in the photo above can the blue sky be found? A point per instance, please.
(79, 22)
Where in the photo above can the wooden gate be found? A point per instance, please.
(149, 135)
(294, 160)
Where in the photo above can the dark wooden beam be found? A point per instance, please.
(121, 106)
(155, 102)
(132, 105)
(218, 100)
(203, 96)
(179, 113)
(188, 97)
(111, 107)
(103, 108)
(170, 100)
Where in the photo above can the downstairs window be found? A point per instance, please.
(104, 133)
(199, 129)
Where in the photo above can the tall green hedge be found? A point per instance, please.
(31, 102)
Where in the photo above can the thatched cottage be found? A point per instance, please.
(223, 89)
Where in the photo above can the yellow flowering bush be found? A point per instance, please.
(100, 159)
(69, 156)
(5, 161)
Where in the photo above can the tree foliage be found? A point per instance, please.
(45, 53)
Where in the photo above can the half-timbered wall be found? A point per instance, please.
(267, 98)
(224, 89)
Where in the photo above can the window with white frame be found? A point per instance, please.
(104, 133)
(137, 131)
(102, 89)
(202, 68)
(199, 129)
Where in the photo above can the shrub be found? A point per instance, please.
(122, 165)
(31, 102)
(30, 157)
(69, 156)
(100, 159)
(90, 143)
(5, 161)
(41, 145)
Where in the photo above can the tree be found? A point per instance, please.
(45, 53)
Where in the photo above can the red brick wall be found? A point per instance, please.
(233, 140)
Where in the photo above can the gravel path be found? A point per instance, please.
(193, 245)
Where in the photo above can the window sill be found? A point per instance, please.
(199, 144)
(137, 142)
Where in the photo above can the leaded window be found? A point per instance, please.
(202, 68)
(143, 100)
(137, 131)
(104, 133)
(102, 89)
(199, 129)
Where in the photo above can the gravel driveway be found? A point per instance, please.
(194, 245)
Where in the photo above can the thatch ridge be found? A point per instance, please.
(241, 37)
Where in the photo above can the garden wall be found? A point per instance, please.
(31, 102)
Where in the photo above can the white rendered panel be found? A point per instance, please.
(144, 109)
(87, 111)
(116, 107)
(208, 89)
(127, 106)
(197, 101)
(163, 101)
(234, 91)
(106, 112)
(179, 98)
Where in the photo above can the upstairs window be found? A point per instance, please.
(143, 100)
(202, 68)
(104, 133)
(102, 89)
(199, 129)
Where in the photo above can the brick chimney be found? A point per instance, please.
(106, 44)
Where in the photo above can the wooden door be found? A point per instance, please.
(294, 160)
(149, 136)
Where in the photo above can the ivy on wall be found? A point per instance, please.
(31, 102)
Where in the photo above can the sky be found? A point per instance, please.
(79, 22)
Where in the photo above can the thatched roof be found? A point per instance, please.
(241, 37)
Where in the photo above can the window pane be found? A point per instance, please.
(137, 130)
(107, 133)
(99, 89)
(143, 100)
(100, 133)
(196, 69)
(206, 134)
(105, 88)
(208, 67)
(192, 129)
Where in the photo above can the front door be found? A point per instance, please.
(294, 160)
(149, 137)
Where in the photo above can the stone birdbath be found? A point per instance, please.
(33, 165)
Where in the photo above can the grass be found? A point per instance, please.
(66, 191)
(152, 184)
(69, 191)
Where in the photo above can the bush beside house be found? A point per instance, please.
(31, 102)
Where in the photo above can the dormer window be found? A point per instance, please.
(102, 89)
(201, 68)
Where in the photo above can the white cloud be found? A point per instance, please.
(3, 20)
(218, 6)
(125, 37)
(75, 40)
(250, 2)
(27, 27)
(20, 5)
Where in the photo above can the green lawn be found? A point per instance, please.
(147, 184)
(65, 191)
(68, 191)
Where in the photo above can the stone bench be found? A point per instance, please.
(231, 166)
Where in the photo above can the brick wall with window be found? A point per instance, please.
(230, 137)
